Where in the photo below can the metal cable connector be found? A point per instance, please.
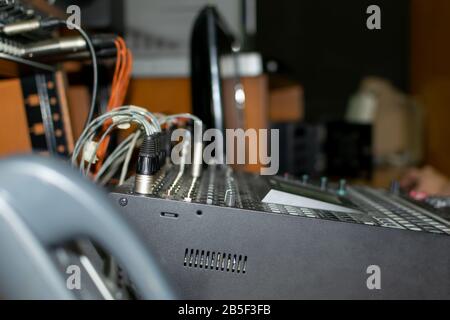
(148, 164)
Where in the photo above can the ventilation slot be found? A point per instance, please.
(218, 261)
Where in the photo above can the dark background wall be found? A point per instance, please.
(327, 47)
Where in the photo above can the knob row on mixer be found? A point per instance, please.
(324, 184)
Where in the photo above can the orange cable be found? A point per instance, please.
(119, 87)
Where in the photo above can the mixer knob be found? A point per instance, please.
(324, 183)
(342, 191)
(395, 187)
(305, 179)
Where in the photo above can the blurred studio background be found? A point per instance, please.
(349, 101)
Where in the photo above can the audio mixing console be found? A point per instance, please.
(231, 235)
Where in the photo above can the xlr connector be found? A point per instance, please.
(148, 164)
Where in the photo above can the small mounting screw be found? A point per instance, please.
(123, 202)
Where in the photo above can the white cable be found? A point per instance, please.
(184, 151)
(103, 137)
(112, 171)
(132, 114)
(125, 115)
(126, 163)
(174, 117)
(116, 154)
(143, 112)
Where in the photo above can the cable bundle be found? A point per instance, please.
(122, 74)
(86, 151)
(121, 81)
(95, 134)
(94, 141)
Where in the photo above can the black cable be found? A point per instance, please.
(94, 66)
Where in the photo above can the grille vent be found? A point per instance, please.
(219, 261)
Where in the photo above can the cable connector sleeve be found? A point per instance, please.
(89, 152)
(148, 161)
